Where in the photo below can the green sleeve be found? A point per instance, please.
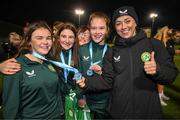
(11, 96)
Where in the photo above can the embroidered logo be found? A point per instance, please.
(85, 58)
(51, 68)
(123, 12)
(117, 59)
(31, 74)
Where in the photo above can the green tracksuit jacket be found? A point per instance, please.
(32, 93)
(96, 101)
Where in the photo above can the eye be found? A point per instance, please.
(49, 38)
(127, 21)
(93, 28)
(63, 36)
(71, 37)
(102, 28)
(118, 23)
(38, 37)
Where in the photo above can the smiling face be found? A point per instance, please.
(98, 30)
(41, 41)
(84, 37)
(66, 39)
(125, 26)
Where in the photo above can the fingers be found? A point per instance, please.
(14, 65)
(12, 60)
(150, 67)
(150, 70)
(10, 66)
(152, 56)
(81, 82)
(96, 68)
(9, 72)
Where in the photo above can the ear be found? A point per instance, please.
(135, 24)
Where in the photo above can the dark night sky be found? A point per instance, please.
(29, 10)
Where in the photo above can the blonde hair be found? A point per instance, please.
(15, 39)
(164, 34)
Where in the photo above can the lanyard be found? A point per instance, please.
(69, 57)
(77, 75)
(69, 63)
(91, 53)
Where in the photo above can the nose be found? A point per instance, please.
(67, 40)
(98, 31)
(123, 25)
(45, 41)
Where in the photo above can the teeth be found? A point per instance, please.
(45, 47)
(125, 31)
(98, 36)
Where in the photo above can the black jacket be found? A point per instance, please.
(133, 92)
(170, 48)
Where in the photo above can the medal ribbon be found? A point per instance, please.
(91, 54)
(59, 64)
(69, 63)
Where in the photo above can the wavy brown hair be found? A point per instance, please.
(25, 46)
(75, 47)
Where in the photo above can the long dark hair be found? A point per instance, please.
(75, 48)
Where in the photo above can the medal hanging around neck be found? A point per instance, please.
(90, 71)
(77, 74)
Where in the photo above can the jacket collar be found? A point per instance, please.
(122, 42)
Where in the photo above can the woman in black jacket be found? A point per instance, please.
(131, 69)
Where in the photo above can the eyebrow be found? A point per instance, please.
(41, 36)
(123, 20)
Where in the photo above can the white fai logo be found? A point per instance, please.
(117, 59)
(31, 74)
(123, 12)
(85, 58)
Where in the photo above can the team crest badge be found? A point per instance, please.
(145, 56)
(51, 68)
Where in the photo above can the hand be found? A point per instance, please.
(81, 82)
(82, 103)
(150, 67)
(97, 69)
(10, 67)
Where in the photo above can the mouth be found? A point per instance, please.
(45, 47)
(98, 36)
(126, 31)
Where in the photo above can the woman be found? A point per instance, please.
(90, 61)
(34, 92)
(165, 35)
(67, 51)
(83, 35)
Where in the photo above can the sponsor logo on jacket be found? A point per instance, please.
(117, 59)
(31, 73)
(85, 58)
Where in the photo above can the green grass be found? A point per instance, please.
(172, 110)
(177, 47)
